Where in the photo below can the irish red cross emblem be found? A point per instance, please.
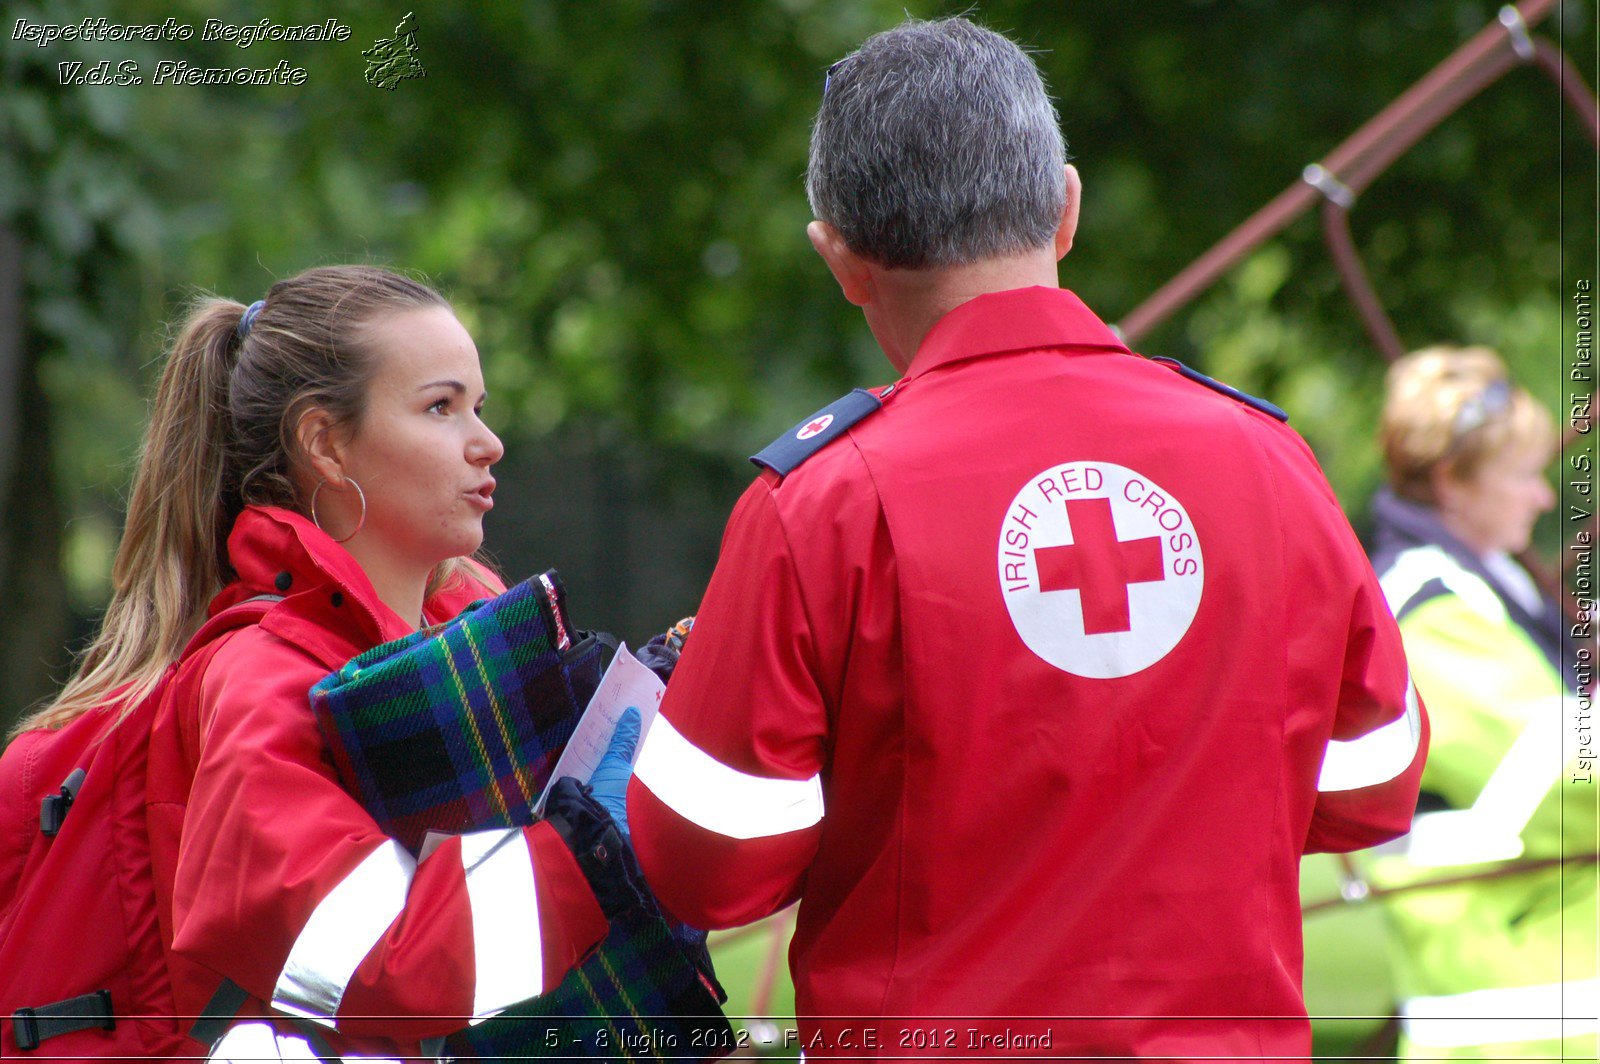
(814, 426)
(1099, 566)
(1124, 543)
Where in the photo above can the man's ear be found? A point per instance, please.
(853, 273)
(1069, 213)
(322, 444)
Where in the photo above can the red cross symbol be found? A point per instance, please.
(1099, 566)
(816, 426)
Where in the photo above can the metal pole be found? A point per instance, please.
(1385, 136)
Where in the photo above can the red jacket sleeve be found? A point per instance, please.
(1372, 765)
(285, 885)
(1348, 671)
(725, 806)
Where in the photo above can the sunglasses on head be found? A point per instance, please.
(1482, 408)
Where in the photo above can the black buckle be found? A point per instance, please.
(35, 1025)
(53, 810)
(27, 1029)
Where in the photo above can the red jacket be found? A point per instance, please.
(270, 874)
(1033, 687)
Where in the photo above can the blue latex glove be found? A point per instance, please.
(609, 783)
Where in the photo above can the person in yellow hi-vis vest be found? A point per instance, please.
(1497, 960)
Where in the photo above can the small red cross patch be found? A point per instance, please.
(1099, 566)
(814, 426)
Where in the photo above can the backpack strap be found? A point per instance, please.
(55, 807)
(239, 615)
(35, 1025)
(219, 1013)
(217, 1016)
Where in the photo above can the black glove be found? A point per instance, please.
(606, 859)
(658, 658)
(660, 655)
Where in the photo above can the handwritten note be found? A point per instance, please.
(627, 682)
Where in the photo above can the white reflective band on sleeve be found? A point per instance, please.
(1512, 1014)
(1376, 757)
(508, 953)
(706, 792)
(1492, 829)
(340, 933)
(255, 1041)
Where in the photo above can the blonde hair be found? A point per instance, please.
(222, 437)
(1454, 408)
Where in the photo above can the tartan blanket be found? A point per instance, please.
(456, 728)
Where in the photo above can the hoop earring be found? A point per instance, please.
(359, 521)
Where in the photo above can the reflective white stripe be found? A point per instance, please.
(246, 1042)
(1415, 567)
(706, 792)
(341, 931)
(509, 956)
(1376, 757)
(1525, 775)
(1491, 829)
(1511, 1014)
(1457, 837)
(1514, 580)
(254, 1041)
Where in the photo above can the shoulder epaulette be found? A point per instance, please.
(784, 454)
(1254, 402)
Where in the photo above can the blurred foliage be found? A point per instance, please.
(611, 194)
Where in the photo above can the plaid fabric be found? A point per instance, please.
(628, 1001)
(457, 728)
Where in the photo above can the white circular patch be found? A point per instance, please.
(814, 426)
(1100, 568)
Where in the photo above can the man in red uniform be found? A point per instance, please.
(1034, 673)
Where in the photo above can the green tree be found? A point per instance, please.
(77, 221)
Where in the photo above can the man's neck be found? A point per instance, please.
(909, 303)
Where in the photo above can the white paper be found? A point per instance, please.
(627, 682)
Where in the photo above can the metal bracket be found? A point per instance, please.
(1517, 30)
(1335, 191)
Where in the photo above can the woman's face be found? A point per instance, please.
(1495, 509)
(422, 453)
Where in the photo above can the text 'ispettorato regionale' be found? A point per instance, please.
(177, 72)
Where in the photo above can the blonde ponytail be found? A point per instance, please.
(222, 437)
(172, 558)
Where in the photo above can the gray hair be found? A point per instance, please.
(937, 145)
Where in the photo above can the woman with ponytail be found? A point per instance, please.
(320, 456)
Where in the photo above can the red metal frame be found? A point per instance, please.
(1351, 168)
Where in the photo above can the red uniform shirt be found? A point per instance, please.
(268, 873)
(1034, 686)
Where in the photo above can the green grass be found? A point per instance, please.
(1347, 966)
(747, 958)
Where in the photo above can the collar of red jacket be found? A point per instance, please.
(1022, 319)
(329, 607)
